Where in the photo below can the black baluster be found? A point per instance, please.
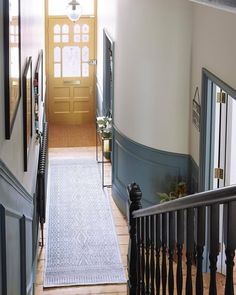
(152, 263)
(214, 247)
(230, 243)
(138, 255)
(180, 241)
(229, 285)
(142, 257)
(189, 250)
(147, 221)
(164, 244)
(201, 223)
(171, 252)
(158, 246)
(135, 196)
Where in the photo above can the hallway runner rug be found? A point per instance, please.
(82, 246)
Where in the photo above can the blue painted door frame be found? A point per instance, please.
(108, 73)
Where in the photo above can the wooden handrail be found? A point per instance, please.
(207, 198)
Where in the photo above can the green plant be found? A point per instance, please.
(104, 125)
(180, 190)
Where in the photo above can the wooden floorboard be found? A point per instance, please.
(72, 135)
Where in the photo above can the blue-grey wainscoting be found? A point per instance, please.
(16, 236)
(152, 169)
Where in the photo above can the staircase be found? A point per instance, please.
(168, 242)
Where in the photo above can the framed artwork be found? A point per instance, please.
(27, 109)
(38, 86)
(12, 68)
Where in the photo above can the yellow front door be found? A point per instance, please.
(71, 71)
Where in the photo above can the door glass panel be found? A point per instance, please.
(56, 7)
(85, 53)
(76, 38)
(57, 29)
(65, 38)
(85, 69)
(12, 29)
(57, 70)
(65, 29)
(71, 64)
(57, 54)
(76, 29)
(85, 29)
(57, 38)
(85, 38)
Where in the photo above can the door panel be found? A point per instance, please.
(71, 76)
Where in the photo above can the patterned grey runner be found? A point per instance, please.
(82, 246)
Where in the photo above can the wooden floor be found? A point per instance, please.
(72, 135)
(121, 229)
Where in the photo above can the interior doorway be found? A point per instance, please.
(218, 154)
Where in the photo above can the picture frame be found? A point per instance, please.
(38, 87)
(12, 68)
(27, 109)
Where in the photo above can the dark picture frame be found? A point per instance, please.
(39, 75)
(38, 86)
(12, 61)
(27, 109)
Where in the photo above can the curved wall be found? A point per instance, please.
(152, 70)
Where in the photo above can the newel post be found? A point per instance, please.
(135, 196)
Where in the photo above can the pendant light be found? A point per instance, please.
(74, 10)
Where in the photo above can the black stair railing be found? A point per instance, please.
(164, 237)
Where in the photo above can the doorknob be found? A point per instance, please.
(92, 62)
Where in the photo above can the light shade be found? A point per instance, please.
(74, 10)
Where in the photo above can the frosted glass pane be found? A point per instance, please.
(56, 7)
(85, 38)
(76, 38)
(85, 54)
(65, 29)
(77, 29)
(71, 61)
(57, 54)
(65, 38)
(85, 29)
(17, 39)
(12, 39)
(85, 70)
(57, 29)
(57, 38)
(57, 70)
(12, 30)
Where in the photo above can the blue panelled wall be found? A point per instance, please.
(154, 170)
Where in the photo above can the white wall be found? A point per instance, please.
(32, 40)
(152, 69)
(214, 47)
